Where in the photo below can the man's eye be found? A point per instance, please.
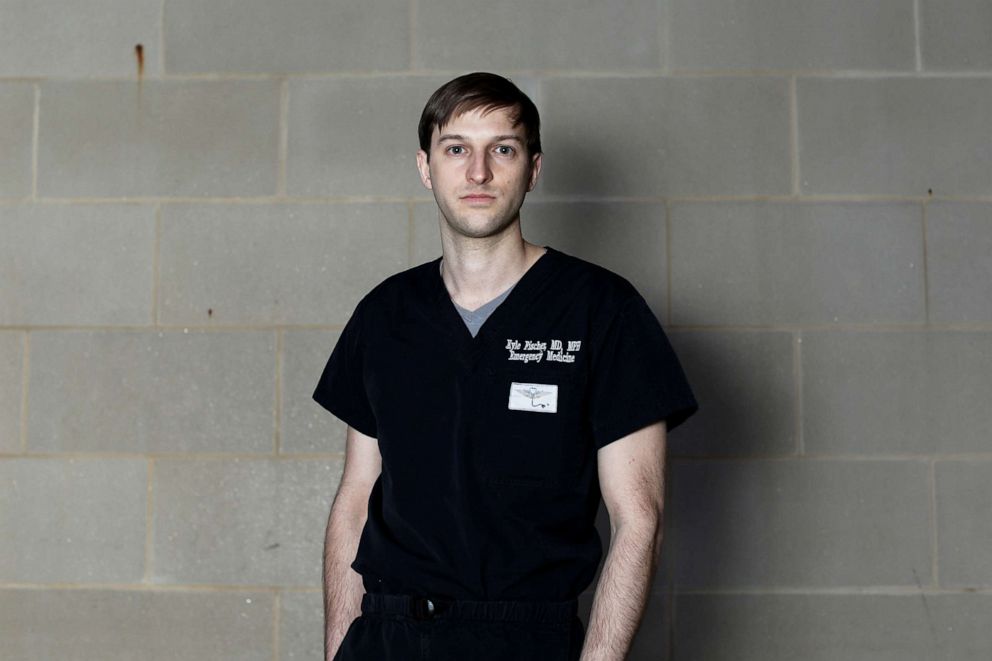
(456, 150)
(504, 150)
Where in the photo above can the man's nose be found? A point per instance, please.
(478, 169)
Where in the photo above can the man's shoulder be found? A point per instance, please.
(404, 285)
(593, 281)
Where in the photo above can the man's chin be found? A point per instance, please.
(479, 229)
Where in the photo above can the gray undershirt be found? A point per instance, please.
(475, 318)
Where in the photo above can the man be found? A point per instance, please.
(492, 396)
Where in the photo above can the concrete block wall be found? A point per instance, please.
(801, 189)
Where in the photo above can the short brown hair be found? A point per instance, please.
(479, 90)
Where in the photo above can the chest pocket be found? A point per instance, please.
(531, 425)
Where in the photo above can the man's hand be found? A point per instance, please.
(631, 476)
(343, 587)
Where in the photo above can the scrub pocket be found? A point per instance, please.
(532, 417)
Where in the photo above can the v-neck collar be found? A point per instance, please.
(454, 325)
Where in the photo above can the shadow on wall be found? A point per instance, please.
(581, 170)
(744, 381)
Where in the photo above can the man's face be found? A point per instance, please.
(479, 172)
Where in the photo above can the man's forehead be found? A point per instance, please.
(482, 122)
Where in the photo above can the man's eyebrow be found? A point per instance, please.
(498, 138)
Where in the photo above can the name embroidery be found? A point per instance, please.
(534, 351)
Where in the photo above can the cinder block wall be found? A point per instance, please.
(802, 190)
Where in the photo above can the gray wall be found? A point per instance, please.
(802, 190)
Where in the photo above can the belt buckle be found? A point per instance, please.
(422, 608)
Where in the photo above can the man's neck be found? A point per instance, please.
(477, 271)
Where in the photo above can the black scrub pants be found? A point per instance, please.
(402, 628)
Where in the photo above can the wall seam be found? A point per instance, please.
(182, 456)
(329, 456)
(149, 522)
(668, 264)
(909, 591)
(35, 132)
(810, 198)
(934, 542)
(25, 384)
(283, 154)
(277, 432)
(790, 198)
(917, 31)
(633, 73)
(161, 40)
(869, 327)
(797, 357)
(412, 32)
(794, 135)
(156, 264)
(664, 36)
(191, 588)
(926, 266)
(276, 624)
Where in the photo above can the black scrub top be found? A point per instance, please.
(489, 488)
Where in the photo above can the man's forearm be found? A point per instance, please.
(622, 592)
(342, 585)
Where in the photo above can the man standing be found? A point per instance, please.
(492, 396)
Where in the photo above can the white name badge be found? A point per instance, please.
(537, 397)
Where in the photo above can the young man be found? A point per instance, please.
(492, 396)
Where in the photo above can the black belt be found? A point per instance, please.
(429, 608)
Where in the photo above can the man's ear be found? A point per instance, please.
(535, 171)
(424, 168)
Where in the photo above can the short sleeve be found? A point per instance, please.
(636, 379)
(341, 388)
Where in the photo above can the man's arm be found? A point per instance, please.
(343, 585)
(631, 476)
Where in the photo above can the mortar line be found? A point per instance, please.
(664, 36)
(826, 458)
(880, 590)
(156, 249)
(161, 40)
(926, 266)
(916, 36)
(866, 327)
(915, 327)
(276, 621)
(177, 456)
(412, 31)
(185, 328)
(794, 135)
(908, 591)
(576, 74)
(143, 587)
(277, 440)
(25, 382)
(838, 74)
(797, 357)
(35, 132)
(934, 546)
(668, 264)
(246, 201)
(789, 198)
(283, 137)
(149, 523)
